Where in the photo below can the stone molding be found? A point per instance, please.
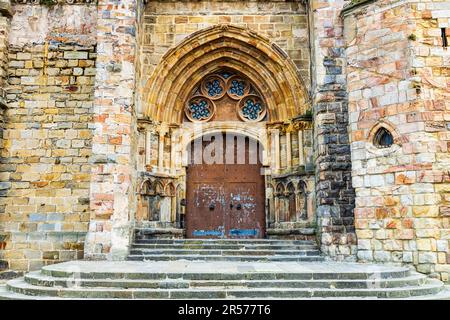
(304, 2)
(354, 4)
(53, 2)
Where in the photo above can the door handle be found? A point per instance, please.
(212, 206)
(238, 206)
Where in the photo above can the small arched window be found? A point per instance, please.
(383, 138)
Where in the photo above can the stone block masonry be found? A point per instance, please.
(44, 169)
(398, 78)
(75, 79)
(334, 191)
(47, 145)
(5, 21)
(112, 193)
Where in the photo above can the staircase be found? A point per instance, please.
(222, 280)
(144, 249)
(222, 269)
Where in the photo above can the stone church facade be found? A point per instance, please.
(346, 101)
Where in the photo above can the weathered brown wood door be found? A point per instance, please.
(225, 199)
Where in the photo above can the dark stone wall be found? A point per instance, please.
(335, 197)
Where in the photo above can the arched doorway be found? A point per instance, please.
(227, 79)
(225, 188)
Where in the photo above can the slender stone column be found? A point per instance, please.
(277, 208)
(298, 207)
(275, 146)
(148, 147)
(288, 150)
(301, 157)
(162, 134)
(111, 191)
(173, 153)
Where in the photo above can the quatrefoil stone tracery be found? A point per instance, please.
(213, 87)
(250, 106)
(238, 87)
(199, 109)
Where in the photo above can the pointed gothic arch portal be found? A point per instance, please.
(269, 68)
(223, 79)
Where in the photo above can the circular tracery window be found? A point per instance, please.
(238, 87)
(250, 106)
(213, 87)
(199, 108)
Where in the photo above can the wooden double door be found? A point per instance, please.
(225, 194)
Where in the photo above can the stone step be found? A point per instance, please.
(209, 270)
(21, 287)
(38, 279)
(225, 280)
(224, 246)
(9, 295)
(200, 257)
(225, 241)
(156, 233)
(444, 294)
(226, 252)
(415, 280)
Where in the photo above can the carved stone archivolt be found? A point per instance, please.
(225, 46)
(201, 107)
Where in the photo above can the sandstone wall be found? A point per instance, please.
(113, 186)
(398, 77)
(45, 171)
